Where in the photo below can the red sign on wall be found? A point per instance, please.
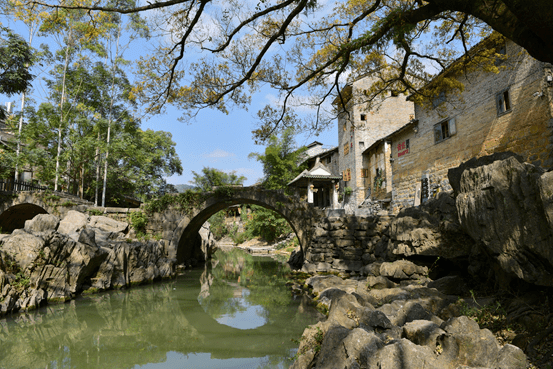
(402, 148)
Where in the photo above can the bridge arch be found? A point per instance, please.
(15, 216)
(185, 241)
(15, 209)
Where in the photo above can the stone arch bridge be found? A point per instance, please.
(178, 229)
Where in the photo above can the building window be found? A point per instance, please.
(444, 130)
(501, 54)
(438, 100)
(503, 102)
(329, 160)
(364, 173)
(361, 145)
(346, 148)
(363, 117)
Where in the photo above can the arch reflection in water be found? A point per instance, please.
(162, 325)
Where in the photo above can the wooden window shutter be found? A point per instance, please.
(452, 127)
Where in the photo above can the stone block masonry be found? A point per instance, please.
(349, 244)
(482, 125)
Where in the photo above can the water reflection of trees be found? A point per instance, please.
(122, 329)
(264, 277)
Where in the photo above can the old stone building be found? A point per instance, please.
(361, 127)
(398, 153)
(326, 155)
(496, 112)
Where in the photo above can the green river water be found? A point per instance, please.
(236, 314)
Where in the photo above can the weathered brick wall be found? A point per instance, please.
(358, 135)
(526, 129)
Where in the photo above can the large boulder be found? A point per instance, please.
(107, 224)
(23, 248)
(42, 223)
(73, 222)
(402, 269)
(504, 204)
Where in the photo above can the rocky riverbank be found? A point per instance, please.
(52, 260)
(399, 318)
(488, 247)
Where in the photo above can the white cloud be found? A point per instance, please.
(218, 154)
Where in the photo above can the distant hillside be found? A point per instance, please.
(183, 187)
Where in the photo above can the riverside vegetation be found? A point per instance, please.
(399, 302)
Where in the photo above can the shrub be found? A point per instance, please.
(217, 225)
(94, 211)
(267, 224)
(138, 220)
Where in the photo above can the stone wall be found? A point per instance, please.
(525, 129)
(349, 244)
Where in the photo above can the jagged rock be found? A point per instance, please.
(501, 203)
(545, 185)
(42, 223)
(73, 222)
(309, 268)
(321, 283)
(403, 333)
(326, 296)
(296, 258)
(372, 269)
(24, 248)
(409, 312)
(402, 269)
(377, 319)
(406, 355)
(308, 342)
(346, 311)
(88, 237)
(465, 343)
(58, 267)
(52, 279)
(323, 267)
(83, 260)
(106, 239)
(422, 332)
(430, 230)
(332, 354)
(2, 280)
(107, 224)
(510, 357)
(379, 283)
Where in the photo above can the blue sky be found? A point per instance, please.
(213, 140)
(222, 141)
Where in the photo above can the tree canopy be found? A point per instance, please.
(281, 160)
(16, 57)
(211, 177)
(217, 54)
